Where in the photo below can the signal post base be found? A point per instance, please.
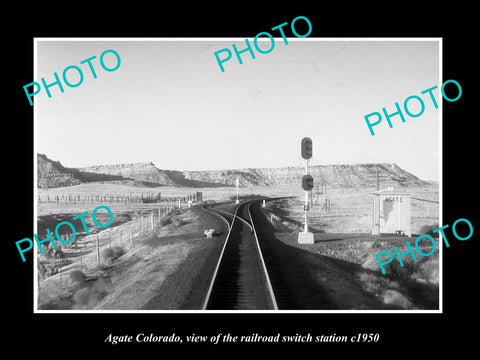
(305, 238)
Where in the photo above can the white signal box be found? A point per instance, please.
(391, 212)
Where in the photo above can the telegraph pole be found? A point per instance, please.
(378, 181)
(237, 183)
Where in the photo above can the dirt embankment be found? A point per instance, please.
(337, 272)
(173, 267)
(168, 268)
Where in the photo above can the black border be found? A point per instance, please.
(81, 333)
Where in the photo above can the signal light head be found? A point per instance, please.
(307, 148)
(307, 182)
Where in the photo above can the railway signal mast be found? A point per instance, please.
(306, 237)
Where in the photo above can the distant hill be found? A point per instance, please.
(53, 174)
(145, 172)
(356, 175)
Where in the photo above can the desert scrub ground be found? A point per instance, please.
(415, 286)
(350, 210)
(158, 271)
(167, 268)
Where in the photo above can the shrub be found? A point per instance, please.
(428, 269)
(165, 221)
(177, 222)
(370, 282)
(100, 287)
(376, 283)
(393, 297)
(173, 219)
(107, 253)
(76, 276)
(85, 297)
(367, 244)
(118, 251)
(46, 270)
(371, 264)
(112, 254)
(396, 272)
(42, 270)
(428, 229)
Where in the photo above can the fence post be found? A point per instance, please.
(131, 236)
(98, 252)
(153, 225)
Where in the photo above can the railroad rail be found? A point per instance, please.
(240, 280)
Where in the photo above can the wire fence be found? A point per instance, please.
(89, 253)
(360, 206)
(141, 198)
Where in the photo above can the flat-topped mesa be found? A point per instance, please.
(117, 166)
(53, 174)
(343, 175)
(142, 171)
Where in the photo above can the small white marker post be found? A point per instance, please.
(306, 237)
(237, 182)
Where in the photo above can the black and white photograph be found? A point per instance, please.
(203, 172)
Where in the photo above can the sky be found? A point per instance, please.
(169, 103)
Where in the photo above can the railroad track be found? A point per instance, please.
(240, 280)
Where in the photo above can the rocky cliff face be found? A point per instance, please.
(358, 175)
(53, 174)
